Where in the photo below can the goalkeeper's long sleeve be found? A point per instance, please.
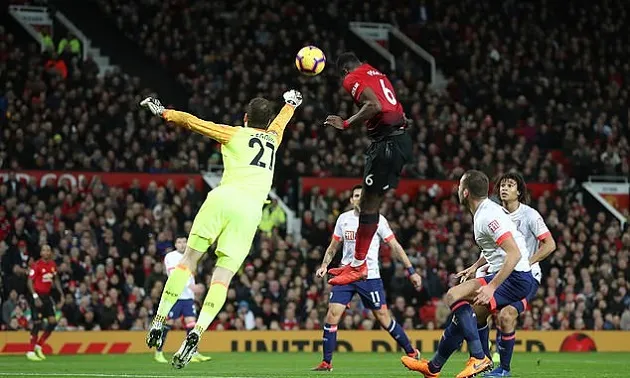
(221, 133)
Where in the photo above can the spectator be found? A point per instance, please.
(273, 217)
(9, 306)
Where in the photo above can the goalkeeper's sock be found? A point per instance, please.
(484, 337)
(451, 340)
(506, 348)
(330, 341)
(175, 285)
(164, 333)
(211, 305)
(396, 331)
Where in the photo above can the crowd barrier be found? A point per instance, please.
(120, 342)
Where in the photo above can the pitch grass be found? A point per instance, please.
(289, 365)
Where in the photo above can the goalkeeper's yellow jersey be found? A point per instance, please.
(249, 154)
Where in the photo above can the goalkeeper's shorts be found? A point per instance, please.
(231, 219)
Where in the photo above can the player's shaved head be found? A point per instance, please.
(477, 183)
(347, 62)
(259, 113)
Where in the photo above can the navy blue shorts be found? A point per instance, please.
(371, 292)
(521, 305)
(183, 307)
(516, 288)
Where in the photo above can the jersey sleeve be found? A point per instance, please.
(384, 231)
(221, 133)
(168, 263)
(280, 122)
(338, 233)
(31, 271)
(354, 85)
(538, 226)
(497, 227)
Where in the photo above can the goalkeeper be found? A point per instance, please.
(230, 214)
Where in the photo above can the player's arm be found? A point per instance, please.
(279, 123)
(512, 255)
(465, 274)
(292, 99)
(31, 288)
(546, 248)
(331, 251)
(400, 254)
(221, 133)
(370, 106)
(547, 245)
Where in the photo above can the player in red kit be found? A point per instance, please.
(41, 277)
(389, 151)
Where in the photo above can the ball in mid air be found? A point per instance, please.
(310, 61)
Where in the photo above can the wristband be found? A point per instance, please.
(410, 271)
(346, 124)
(35, 296)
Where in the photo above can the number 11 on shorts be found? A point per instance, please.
(376, 298)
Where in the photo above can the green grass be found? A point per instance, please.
(600, 365)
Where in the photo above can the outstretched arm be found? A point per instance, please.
(221, 133)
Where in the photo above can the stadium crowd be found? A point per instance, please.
(547, 100)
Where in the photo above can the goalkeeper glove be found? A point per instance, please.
(154, 105)
(293, 98)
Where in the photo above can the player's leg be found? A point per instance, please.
(483, 313)
(48, 310)
(518, 285)
(175, 285)
(507, 319)
(190, 318)
(206, 227)
(233, 247)
(340, 296)
(36, 308)
(458, 299)
(159, 354)
(373, 297)
(506, 337)
(451, 341)
(383, 166)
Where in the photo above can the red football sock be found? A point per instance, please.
(368, 224)
(43, 338)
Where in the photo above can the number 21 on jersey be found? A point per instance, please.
(260, 148)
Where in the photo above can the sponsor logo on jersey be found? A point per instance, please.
(354, 88)
(493, 226)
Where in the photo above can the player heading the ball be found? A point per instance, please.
(390, 150)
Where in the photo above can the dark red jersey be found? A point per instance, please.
(392, 115)
(42, 274)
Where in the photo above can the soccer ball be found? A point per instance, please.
(310, 60)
